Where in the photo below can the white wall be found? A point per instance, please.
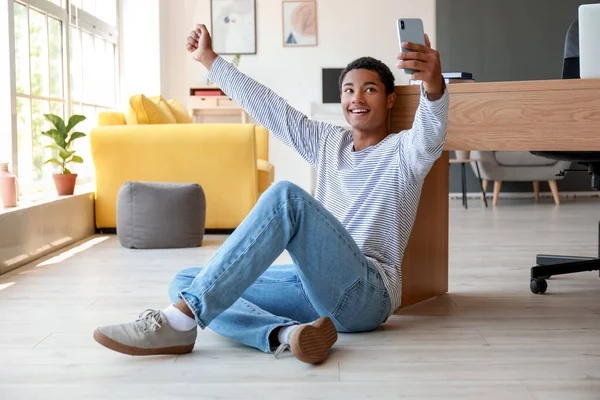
(140, 48)
(347, 29)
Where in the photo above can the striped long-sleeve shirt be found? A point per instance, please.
(373, 192)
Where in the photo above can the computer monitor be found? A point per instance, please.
(331, 88)
(589, 40)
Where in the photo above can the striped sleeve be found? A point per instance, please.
(273, 112)
(422, 145)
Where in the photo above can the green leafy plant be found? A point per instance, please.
(63, 140)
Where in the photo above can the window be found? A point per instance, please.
(39, 88)
(43, 32)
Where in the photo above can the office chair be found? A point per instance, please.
(548, 265)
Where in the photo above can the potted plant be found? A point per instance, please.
(60, 134)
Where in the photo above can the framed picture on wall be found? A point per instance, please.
(299, 23)
(233, 26)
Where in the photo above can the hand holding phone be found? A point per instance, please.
(418, 58)
(410, 30)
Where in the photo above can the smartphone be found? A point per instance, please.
(410, 30)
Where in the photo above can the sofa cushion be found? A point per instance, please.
(179, 112)
(143, 110)
(520, 159)
(153, 215)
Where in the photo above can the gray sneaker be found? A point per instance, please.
(149, 335)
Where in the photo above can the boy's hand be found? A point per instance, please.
(199, 44)
(427, 61)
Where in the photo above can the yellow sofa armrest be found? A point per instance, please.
(262, 143)
(266, 175)
(108, 118)
(219, 157)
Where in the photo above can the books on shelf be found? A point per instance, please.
(447, 80)
(206, 91)
(450, 77)
(457, 75)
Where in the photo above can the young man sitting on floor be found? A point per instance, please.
(346, 242)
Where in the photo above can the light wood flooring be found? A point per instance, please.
(488, 338)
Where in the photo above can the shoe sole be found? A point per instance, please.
(136, 351)
(311, 343)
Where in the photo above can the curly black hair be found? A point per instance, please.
(372, 64)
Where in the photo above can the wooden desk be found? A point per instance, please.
(510, 116)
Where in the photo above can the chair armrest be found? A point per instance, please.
(262, 142)
(266, 175)
(484, 157)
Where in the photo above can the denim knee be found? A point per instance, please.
(286, 189)
(182, 279)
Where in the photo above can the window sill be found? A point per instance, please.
(45, 197)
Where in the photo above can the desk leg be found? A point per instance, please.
(481, 183)
(425, 263)
(464, 184)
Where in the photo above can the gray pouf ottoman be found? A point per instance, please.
(153, 215)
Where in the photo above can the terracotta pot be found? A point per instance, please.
(65, 183)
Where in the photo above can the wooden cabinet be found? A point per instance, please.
(211, 101)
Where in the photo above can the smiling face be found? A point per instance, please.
(364, 100)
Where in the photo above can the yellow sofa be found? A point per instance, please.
(229, 161)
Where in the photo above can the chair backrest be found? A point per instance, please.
(571, 52)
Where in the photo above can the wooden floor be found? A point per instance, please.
(489, 338)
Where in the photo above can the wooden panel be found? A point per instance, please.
(512, 86)
(425, 263)
(516, 116)
(402, 114)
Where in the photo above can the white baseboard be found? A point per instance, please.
(527, 195)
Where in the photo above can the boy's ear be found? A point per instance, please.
(391, 100)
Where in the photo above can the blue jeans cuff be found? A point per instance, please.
(192, 304)
(268, 348)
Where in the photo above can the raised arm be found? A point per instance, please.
(422, 145)
(273, 112)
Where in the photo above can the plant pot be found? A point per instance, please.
(65, 183)
(463, 154)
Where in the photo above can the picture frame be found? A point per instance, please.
(299, 23)
(233, 26)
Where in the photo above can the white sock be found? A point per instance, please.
(178, 319)
(285, 333)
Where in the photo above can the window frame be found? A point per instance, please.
(69, 16)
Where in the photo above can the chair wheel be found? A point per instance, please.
(538, 285)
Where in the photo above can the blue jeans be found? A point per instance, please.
(241, 295)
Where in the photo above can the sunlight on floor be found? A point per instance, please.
(6, 285)
(71, 252)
